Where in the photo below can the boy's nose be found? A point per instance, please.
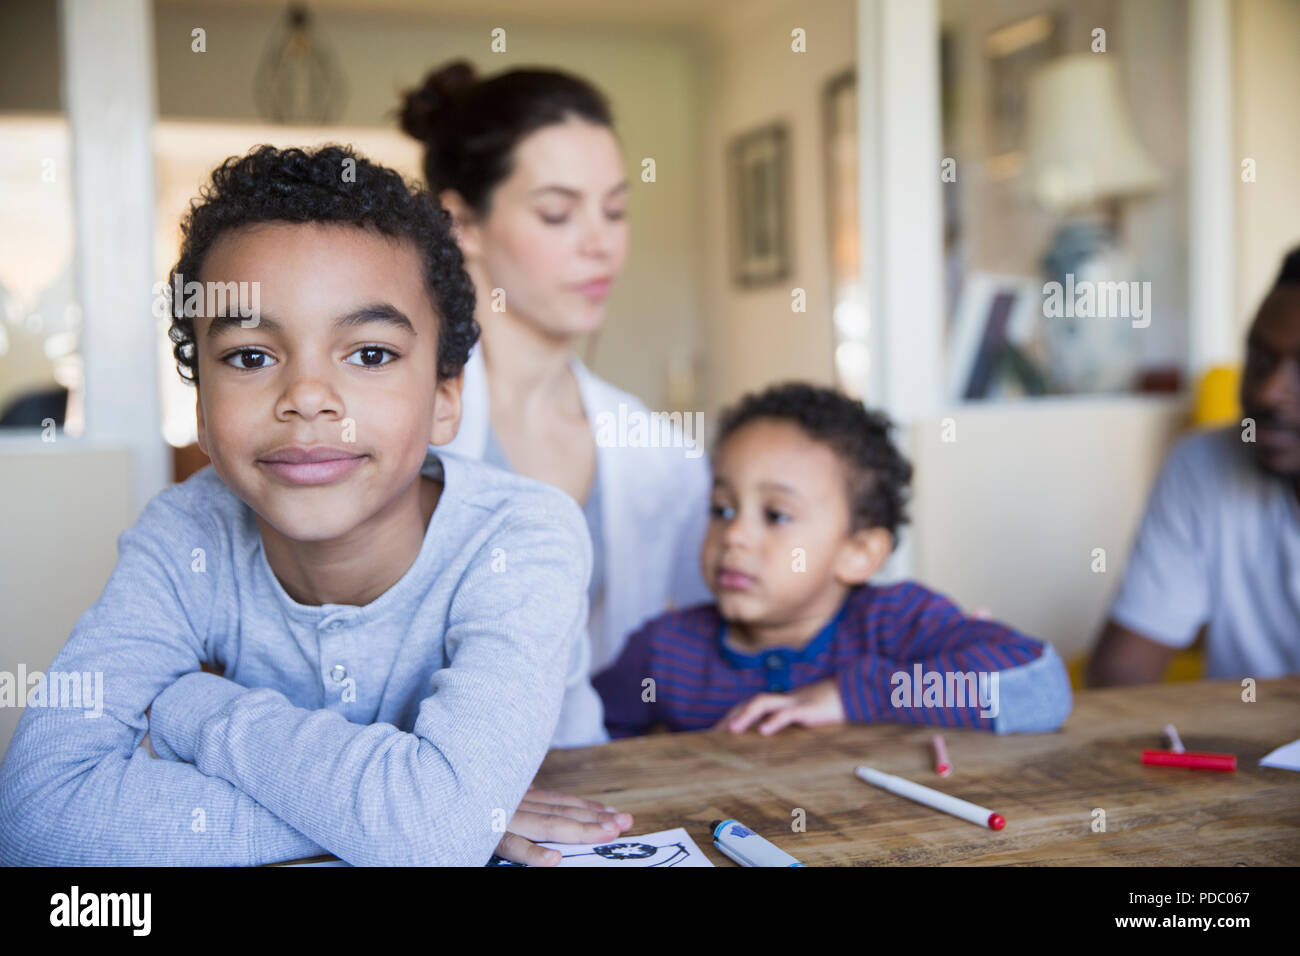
(308, 397)
(736, 533)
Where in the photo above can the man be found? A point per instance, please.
(1219, 545)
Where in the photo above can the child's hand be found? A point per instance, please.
(557, 818)
(812, 705)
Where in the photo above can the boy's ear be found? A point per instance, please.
(465, 227)
(446, 409)
(863, 555)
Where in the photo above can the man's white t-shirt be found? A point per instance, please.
(1219, 544)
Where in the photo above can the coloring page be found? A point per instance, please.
(662, 849)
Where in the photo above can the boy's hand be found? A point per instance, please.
(557, 818)
(813, 705)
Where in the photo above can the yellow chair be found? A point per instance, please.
(1218, 397)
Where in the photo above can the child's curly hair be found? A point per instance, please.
(310, 186)
(878, 473)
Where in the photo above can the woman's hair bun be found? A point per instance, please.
(423, 109)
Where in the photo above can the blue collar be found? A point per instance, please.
(782, 657)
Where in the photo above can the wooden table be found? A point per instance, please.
(1046, 785)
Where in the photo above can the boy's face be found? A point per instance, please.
(779, 548)
(341, 363)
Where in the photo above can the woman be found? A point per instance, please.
(529, 166)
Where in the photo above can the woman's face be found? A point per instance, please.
(555, 236)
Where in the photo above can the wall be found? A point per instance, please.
(1266, 74)
(753, 79)
(29, 68)
(1007, 516)
(61, 510)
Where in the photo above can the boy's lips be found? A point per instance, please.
(732, 580)
(317, 465)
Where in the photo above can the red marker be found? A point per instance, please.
(942, 765)
(1196, 761)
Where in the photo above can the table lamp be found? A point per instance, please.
(1084, 159)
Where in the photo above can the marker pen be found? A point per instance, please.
(738, 842)
(942, 765)
(972, 812)
(1195, 761)
(1175, 743)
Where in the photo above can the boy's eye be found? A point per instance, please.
(249, 359)
(776, 517)
(556, 219)
(616, 214)
(722, 511)
(372, 356)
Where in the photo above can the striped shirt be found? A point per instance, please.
(899, 653)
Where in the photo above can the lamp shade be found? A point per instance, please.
(1081, 143)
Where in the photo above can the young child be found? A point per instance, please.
(394, 625)
(808, 496)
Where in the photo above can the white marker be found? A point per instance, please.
(974, 813)
(738, 842)
(1175, 744)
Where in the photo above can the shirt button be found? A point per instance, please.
(335, 625)
(774, 662)
(338, 672)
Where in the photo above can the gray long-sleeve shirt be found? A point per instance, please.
(402, 732)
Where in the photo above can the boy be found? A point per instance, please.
(808, 496)
(393, 625)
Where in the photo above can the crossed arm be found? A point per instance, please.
(249, 778)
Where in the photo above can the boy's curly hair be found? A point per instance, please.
(878, 473)
(309, 186)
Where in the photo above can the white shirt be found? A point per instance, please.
(1219, 545)
(654, 513)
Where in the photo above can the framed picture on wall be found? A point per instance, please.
(759, 163)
